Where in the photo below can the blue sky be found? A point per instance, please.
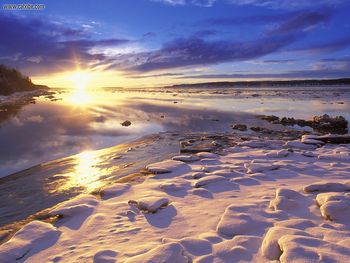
(175, 41)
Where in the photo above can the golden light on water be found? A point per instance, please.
(86, 173)
(80, 97)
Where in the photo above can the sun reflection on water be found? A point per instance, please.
(80, 97)
(87, 173)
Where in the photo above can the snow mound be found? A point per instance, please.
(31, 239)
(254, 167)
(311, 139)
(114, 190)
(296, 223)
(167, 166)
(278, 153)
(286, 200)
(309, 154)
(253, 144)
(270, 247)
(77, 206)
(172, 252)
(202, 192)
(197, 175)
(334, 206)
(241, 220)
(173, 186)
(208, 180)
(238, 249)
(225, 173)
(299, 145)
(186, 158)
(308, 249)
(327, 187)
(150, 204)
(196, 246)
(105, 256)
(207, 155)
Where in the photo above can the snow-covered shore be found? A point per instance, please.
(259, 201)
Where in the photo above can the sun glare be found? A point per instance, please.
(80, 79)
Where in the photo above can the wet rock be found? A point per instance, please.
(240, 127)
(327, 123)
(270, 118)
(323, 123)
(126, 123)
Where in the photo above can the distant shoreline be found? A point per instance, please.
(265, 83)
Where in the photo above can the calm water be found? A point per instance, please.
(81, 122)
(89, 120)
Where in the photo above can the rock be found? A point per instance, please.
(126, 123)
(150, 204)
(260, 129)
(240, 127)
(270, 118)
(325, 122)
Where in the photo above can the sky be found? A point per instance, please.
(162, 42)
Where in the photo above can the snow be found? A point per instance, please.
(150, 204)
(165, 167)
(255, 202)
(186, 158)
(172, 252)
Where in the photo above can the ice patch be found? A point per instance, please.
(327, 187)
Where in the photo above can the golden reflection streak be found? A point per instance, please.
(80, 97)
(86, 173)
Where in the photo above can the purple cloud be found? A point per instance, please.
(52, 45)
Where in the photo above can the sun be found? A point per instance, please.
(80, 79)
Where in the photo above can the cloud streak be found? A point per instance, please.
(40, 46)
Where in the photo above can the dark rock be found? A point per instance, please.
(240, 127)
(270, 118)
(126, 123)
(322, 124)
